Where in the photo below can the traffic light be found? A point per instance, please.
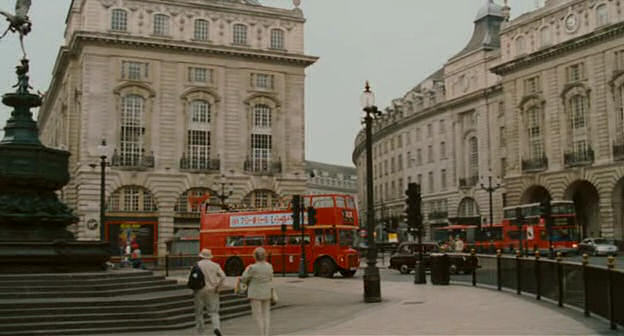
(312, 220)
(519, 216)
(295, 206)
(414, 200)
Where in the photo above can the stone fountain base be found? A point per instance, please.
(53, 257)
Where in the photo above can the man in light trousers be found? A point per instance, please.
(208, 297)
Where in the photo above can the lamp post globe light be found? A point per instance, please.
(103, 152)
(372, 287)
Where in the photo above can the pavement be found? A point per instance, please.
(317, 306)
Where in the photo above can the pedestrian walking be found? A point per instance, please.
(208, 297)
(259, 277)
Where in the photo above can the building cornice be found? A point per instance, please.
(426, 113)
(574, 44)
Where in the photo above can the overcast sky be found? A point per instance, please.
(393, 43)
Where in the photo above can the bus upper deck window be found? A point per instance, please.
(254, 241)
(340, 202)
(323, 202)
(350, 203)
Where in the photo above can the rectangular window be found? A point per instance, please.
(119, 20)
(409, 160)
(239, 34)
(161, 25)
(200, 75)
(400, 141)
(198, 149)
(578, 112)
(401, 188)
(443, 179)
(619, 60)
(501, 109)
(262, 81)
(201, 30)
(501, 137)
(503, 168)
(419, 180)
(430, 154)
(442, 150)
(442, 127)
(419, 157)
(431, 182)
(580, 147)
(392, 166)
(418, 138)
(400, 162)
(429, 130)
(134, 70)
(261, 151)
(531, 85)
(386, 167)
(575, 72)
(277, 39)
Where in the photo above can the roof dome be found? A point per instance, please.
(490, 9)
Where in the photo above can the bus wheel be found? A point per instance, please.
(325, 268)
(234, 267)
(347, 274)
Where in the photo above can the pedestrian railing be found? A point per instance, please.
(594, 289)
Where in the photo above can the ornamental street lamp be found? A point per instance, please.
(223, 195)
(490, 189)
(372, 287)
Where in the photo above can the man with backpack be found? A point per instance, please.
(205, 280)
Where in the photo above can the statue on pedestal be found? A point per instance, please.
(19, 22)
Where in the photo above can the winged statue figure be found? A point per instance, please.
(19, 22)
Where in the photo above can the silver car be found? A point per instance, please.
(597, 246)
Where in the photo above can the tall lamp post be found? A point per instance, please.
(103, 153)
(223, 195)
(490, 189)
(372, 286)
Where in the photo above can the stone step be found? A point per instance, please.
(83, 288)
(75, 276)
(92, 294)
(118, 329)
(111, 320)
(74, 282)
(60, 311)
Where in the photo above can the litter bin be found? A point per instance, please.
(440, 269)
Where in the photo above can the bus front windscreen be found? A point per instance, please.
(562, 234)
(347, 238)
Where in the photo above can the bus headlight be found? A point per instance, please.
(574, 245)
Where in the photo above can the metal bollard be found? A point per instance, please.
(538, 276)
(473, 261)
(611, 266)
(586, 284)
(499, 278)
(518, 272)
(560, 278)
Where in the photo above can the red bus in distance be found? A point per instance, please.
(232, 237)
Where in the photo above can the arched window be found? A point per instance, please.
(545, 36)
(190, 201)
(468, 208)
(161, 25)
(239, 34)
(534, 133)
(473, 163)
(132, 199)
(119, 20)
(520, 45)
(602, 15)
(199, 135)
(262, 116)
(132, 130)
(261, 199)
(277, 39)
(201, 30)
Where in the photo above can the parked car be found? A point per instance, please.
(405, 258)
(597, 246)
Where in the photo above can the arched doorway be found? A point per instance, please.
(587, 204)
(535, 194)
(468, 207)
(618, 209)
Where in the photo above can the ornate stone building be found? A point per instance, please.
(562, 74)
(185, 93)
(538, 102)
(439, 135)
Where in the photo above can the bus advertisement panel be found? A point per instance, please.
(232, 237)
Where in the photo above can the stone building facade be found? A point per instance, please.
(538, 107)
(325, 178)
(187, 95)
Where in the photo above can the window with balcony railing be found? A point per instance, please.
(581, 155)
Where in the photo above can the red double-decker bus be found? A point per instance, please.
(487, 239)
(232, 237)
(564, 235)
